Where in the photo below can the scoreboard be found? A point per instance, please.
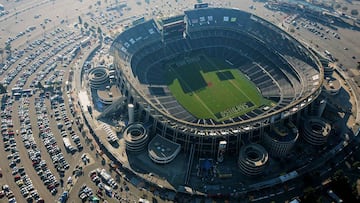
(201, 5)
(173, 28)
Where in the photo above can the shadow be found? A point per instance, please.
(188, 71)
(190, 80)
(226, 75)
(157, 91)
(315, 13)
(342, 101)
(345, 25)
(336, 22)
(164, 66)
(98, 105)
(172, 174)
(115, 144)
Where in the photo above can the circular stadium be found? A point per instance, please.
(214, 74)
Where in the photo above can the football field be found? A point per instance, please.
(211, 88)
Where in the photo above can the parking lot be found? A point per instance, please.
(49, 153)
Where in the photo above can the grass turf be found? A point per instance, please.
(211, 88)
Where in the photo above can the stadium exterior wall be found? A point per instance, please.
(205, 144)
(206, 137)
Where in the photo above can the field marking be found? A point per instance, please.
(232, 82)
(194, 93)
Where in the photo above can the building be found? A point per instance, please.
(332, 86)
(109, 95)
(316, 130)
(162, 150)
(99, 77)
(136, 137)
(253, 159)
(281, 139)
(282, 69)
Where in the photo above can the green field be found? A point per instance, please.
(211, 88)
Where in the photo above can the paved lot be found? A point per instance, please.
(46, 23)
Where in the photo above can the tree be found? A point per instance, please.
(344, 8)
(339, 176)
(80, 20)
(2, 89)
(8, 47)
(117, 178)
(99, 30)
(354, 12)
(86, 25)
(40, 86)
(83, 133)
(43, 27)
(356, 164)
(320, 200)
(309, 195)
(337, 6)
(88, 140)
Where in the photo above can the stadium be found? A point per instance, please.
(214, 74)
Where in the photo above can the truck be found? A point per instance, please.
(108, 190)
(105, 176)
(64, 196)
(68, 146)
(85, 42)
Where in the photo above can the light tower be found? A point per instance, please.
(221, 151)
(321, 107)
(131, 113)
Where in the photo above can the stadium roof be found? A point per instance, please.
(132, 41)
(137, 36)
(216, 15)
(284, 132)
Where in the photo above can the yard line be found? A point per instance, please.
(232, 82)
(194, 93)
